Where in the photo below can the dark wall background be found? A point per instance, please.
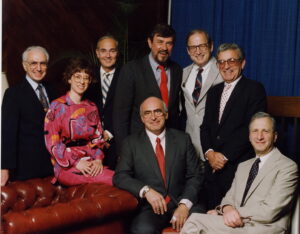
(72, 27)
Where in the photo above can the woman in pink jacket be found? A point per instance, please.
(73, 133)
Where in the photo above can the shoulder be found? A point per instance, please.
(284, 161)
(251, 83)
(188, 68)
(177, 134)
(174, 65)
(58, 103)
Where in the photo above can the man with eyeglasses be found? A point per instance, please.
(224, 132)
(153, 75)
(197, 79)
(23, 150)
(103, 91)
(160, 167)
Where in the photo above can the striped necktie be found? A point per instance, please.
(105, 87)
(42, 97)
(198, 85)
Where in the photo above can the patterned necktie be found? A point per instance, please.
(160, 156)
(163, 84)
(42, 97)
(105, 87)
(224, 99)
(252, 174)
(198, 85)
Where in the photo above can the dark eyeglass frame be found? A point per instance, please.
(201, 47)
(156, 113)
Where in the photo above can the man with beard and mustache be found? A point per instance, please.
(153, 75)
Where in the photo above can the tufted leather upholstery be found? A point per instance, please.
(37, 206)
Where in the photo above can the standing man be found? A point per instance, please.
(261, 196)
(24, 154)
(197, 79)
(159, 165)
(224, 132)
(103, 91)
(153, 75)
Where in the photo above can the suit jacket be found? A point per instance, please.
(136, 83)
(270, 198)
(23, 146)
(231, 135)
(194, 113)
(138, 166)
(94, 93)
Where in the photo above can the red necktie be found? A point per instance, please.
(161, 163)
(163, 84)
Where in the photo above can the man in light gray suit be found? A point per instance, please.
(197, 79)
(261, 197)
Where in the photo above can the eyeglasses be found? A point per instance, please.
(111, 51)
(230, 62)
(79, 78)
(201, 47)
(35, 64)
(157, 113)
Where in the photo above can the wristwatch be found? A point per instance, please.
(146, 190)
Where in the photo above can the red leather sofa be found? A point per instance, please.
(37, 206)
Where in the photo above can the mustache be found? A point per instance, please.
(163, 52)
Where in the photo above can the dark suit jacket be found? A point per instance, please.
(23, 145)
(138, 166)
(231, 136)
(137, 82)
(94, 93)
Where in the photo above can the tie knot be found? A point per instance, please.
(161, 67)
(40, 87)
(158, 140)
(106, 75)
(200, 70)
(257, 161)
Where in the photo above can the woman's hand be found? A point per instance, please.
(96, 167)
(85, 167)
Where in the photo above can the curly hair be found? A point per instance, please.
(77, 65)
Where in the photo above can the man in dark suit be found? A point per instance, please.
(153, 75)
(24, 154)
(159, 165)
(102, 91)
(224, 132)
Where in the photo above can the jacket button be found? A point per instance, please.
(218, 137)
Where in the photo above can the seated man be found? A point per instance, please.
(262, 193)
(160, 166)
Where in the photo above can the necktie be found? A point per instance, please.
(163, 84)
(160, 156)
(42, 97)
(224, 99)
(105, 87)
(198, 85)
(252, 174)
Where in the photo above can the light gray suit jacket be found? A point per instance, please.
(195, 113)
(271, 195)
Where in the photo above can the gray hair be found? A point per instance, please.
(165, 108)
(108, 36)
(30, 48)
(231, 46)
(260, 115)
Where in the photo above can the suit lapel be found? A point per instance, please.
(29, 92)
(184, 80)
(170, 155)
(111, 88)
(268, 166)
(150, 77)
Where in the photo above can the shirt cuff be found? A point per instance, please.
(142, 191)
(186, 202)
(207, 152)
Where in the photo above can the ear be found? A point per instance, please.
(69, 81)
(24, 66)
(98, 53)
(243, 63)
(167, 115)
(275, 137)
(211, 47)
(149, 42)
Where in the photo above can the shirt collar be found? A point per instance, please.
(153, 137)
(102, 72)
(233, 84)
(33, 83)
(205, 67)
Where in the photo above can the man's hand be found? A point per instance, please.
(179, 217)
(157, 201)
(216, 160)
(4, 176)
(232, 217)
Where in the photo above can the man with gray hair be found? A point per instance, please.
(261, 196)
(23, 150)
(224, 132)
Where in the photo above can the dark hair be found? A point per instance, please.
(200, 31)
(77, 65)
(163, 30)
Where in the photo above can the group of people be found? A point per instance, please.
(184, 142)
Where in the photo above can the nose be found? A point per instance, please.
(164, 46)
(38, 67)
(226, 65)
(260, 135)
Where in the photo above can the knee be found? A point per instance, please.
(144, 229)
